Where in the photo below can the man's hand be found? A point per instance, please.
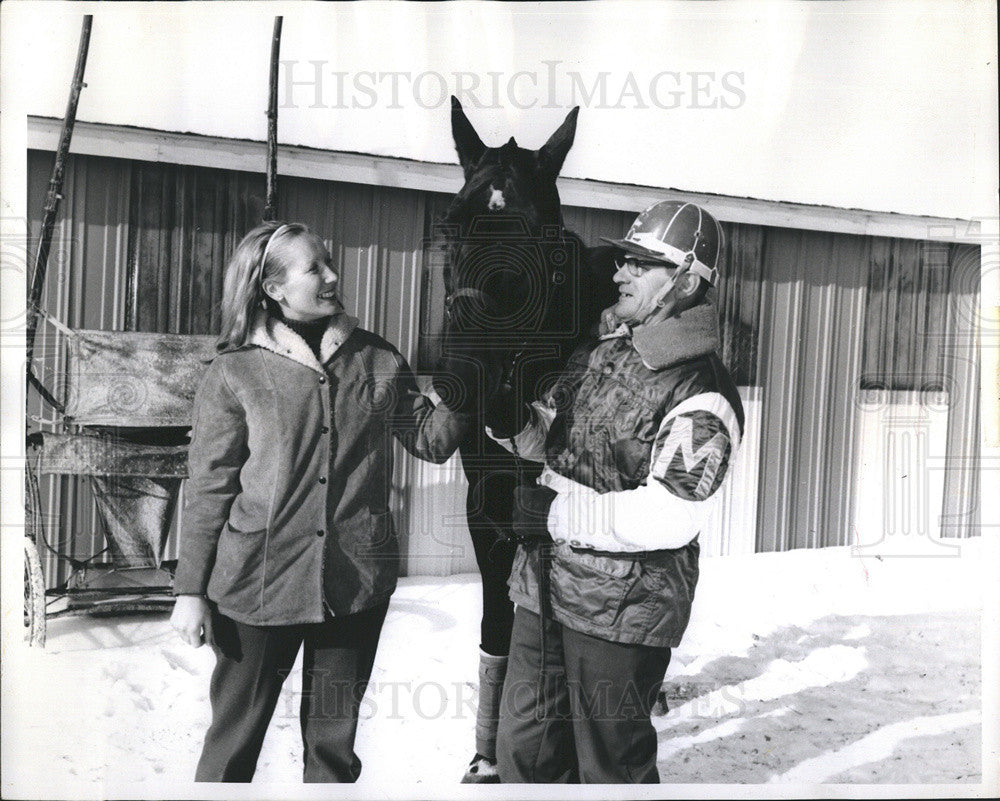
(192, 619)
(531, 513)
(506, 413)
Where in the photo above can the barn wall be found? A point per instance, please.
(811, 323)
(84, 288)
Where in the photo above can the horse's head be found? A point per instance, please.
(512, 273)
(509, 180)
(502, 228)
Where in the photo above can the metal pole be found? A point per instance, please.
(54, 195)
(270, 208)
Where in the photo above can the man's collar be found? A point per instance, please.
(692, 333)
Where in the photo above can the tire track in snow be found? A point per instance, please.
(830, 665)
(875, 747)
(730, 727)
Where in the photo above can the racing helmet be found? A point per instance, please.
(673, 230)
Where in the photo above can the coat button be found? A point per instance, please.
(320, 533)
(322, 379)
(322, 479)
(326, 429)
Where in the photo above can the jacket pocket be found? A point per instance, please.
(613, 566)
(383, 536)
(590, 586)
(369, 550)
(383, 554)
(518, 579)
(237, 575)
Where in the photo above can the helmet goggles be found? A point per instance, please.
(638, 266)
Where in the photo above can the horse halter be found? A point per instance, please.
(464, 292)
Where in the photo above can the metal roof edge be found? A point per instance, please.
(147, 144)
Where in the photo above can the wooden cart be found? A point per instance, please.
(125, 425)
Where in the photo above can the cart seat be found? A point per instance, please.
(107, 454)
(125, 378)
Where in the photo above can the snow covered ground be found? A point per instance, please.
(812, 666)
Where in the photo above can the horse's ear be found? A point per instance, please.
(553, 153)
(467, 142)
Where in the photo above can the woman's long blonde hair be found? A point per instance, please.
(256, 259)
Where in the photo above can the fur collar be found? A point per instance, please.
(274, 335)
(692, 333)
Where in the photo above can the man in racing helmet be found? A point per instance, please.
(637, 434)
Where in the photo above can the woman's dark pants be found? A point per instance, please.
(253, 662)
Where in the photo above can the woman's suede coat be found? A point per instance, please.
(290, 466)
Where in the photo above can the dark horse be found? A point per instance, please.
(521, 291)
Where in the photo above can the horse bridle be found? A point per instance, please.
(506, 378)
(464, 292)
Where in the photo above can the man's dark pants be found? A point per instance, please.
(252, 663)
(590, 721)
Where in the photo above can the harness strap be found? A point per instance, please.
(544, 613)
(544, 602)
(47, 396)
(466, 292)
(60, 327)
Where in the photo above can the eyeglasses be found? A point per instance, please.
(637, 267)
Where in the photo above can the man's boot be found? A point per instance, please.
(483, 768)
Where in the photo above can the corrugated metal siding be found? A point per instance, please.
(843, 315)
(907, 281)
(961, 516)
(733, 531)
(810, 333)
(184, 222)
(899, 493)
(921, 345)
(808, 319)
(83, 289)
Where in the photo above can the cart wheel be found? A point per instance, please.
(34, 580)
(34, 595)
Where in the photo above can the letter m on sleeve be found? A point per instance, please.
(696, 442)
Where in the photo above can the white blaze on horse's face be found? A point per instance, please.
(497, 201)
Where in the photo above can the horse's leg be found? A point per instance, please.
(492, 477)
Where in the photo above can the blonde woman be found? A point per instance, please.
(288, 540)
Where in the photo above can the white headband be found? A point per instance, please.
(270, 239)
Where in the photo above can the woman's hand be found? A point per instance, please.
(192, 619)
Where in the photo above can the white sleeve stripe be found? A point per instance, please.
(649, 517)
(712, 402)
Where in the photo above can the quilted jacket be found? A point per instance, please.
(637, 436)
